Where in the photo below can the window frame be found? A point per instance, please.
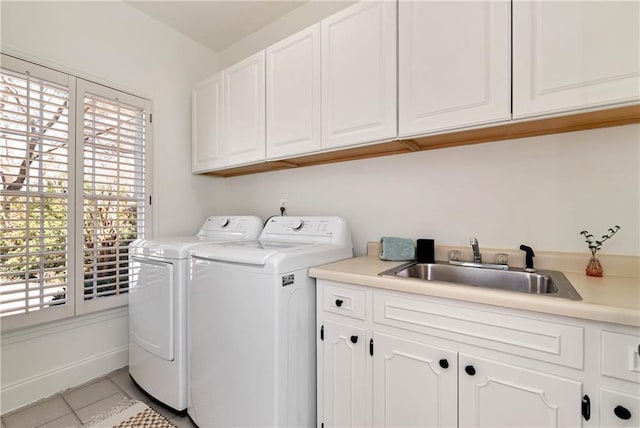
(77, 86)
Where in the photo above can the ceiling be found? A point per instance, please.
(216, 24)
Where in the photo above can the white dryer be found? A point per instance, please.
(251, 324)
(157, 306)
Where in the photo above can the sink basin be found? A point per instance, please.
(542, 282)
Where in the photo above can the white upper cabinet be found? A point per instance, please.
(244, 111)
(574, 55)
(206, 116)
(293, 94)
(359, 75)
(454, 64)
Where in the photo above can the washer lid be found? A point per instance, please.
(248, 252)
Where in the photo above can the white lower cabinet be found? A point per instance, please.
(501, 395)
(344, 375)
(414, 384)
(618, 409)
(393, 359)
(620, 353)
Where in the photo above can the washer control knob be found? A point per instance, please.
(298, 225)
(225, 223)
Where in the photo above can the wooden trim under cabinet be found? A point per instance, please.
(555, 125)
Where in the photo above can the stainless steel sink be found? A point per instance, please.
(542, 282)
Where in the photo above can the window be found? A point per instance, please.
(75, 192)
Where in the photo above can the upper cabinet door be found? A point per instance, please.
(293, 94)
(244, 120)
(574, 55)
(359, 75)
(454, 64)
(206, 117)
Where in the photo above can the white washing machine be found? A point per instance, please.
(251, 323)
(157, 306)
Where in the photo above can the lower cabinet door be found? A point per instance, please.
(344, 375)
(414, 385)
(500, 395)
(618, 409)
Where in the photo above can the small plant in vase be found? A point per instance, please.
(594, 268)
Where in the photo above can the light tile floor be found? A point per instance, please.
(74, 407)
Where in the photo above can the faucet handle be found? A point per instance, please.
(502, 258)
(473, 241)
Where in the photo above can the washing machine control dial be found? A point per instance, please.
(225, 223)
(297, 225)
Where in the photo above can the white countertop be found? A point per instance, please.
(613, 299)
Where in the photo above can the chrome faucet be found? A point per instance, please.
(477, 257)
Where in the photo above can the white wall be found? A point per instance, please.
(298, 19)
(541, 191)
(115, 44)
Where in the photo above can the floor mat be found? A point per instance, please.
(129, 414)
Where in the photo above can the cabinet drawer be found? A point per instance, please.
(344, 301)
(541, 340)
(620, 356)
(618, 409)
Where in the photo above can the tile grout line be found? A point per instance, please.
(72, 410)
(118, 391)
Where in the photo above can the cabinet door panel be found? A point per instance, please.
(410, 387)
(207, 153)
(244, 121)
(293, 94)
(574, 55)
(344, 375)
(454, 64)
(359, 74)
(621, 355)
(500, 395)
(618, 409)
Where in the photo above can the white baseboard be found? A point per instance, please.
(51, 382)
(40, 361)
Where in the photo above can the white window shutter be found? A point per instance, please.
(36, 224)
(113, 206)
